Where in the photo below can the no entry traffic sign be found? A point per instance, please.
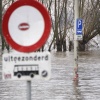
(26, 25)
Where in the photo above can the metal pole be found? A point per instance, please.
(76, 15)
(28, 90)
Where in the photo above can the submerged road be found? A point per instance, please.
(61, 85)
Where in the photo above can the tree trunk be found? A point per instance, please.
(70, 45)
(0, 16)
(81, 47)
(4, 44)
(1, 21)
(59, 45)
(64, 45)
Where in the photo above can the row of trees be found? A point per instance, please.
(62, 16)
(63, 21)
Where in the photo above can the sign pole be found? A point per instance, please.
(28, 90)
(76, 8)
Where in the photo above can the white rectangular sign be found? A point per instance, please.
(79, 37)
(22, 66)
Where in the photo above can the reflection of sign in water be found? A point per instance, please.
(26, 70)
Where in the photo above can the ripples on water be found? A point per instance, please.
(61, 85)
(89, 75)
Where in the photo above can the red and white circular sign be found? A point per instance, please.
(26, 25)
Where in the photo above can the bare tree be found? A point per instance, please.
(0, 17)
(90, 12)
(4, 4)
(59, 25)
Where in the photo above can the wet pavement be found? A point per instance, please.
(61, 85)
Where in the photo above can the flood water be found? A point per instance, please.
(61, 85)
